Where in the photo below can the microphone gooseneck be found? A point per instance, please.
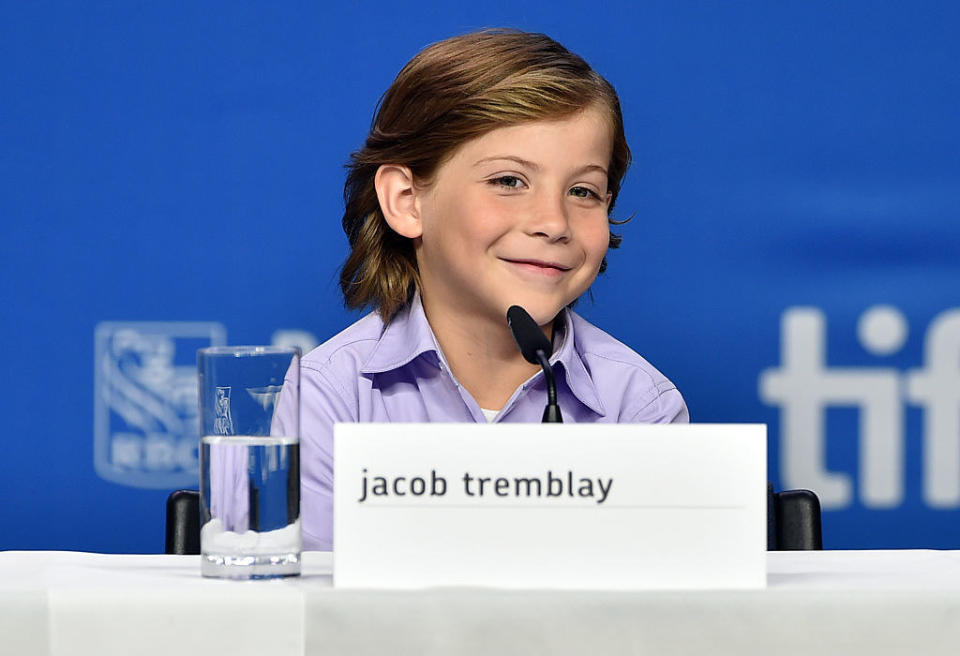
(536, 349)
(548, 373)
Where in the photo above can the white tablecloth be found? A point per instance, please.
(843, 602)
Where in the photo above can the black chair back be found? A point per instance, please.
(797, 516)
(183, 522)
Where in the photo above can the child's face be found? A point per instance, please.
(517, 216)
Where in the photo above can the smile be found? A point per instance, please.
(539, 267)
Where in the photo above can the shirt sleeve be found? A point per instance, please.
(322, 404)
(229, 487)
(668, 408)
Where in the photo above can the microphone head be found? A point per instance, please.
(527, 334)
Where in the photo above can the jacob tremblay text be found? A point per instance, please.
(563, 485)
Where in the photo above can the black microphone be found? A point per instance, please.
(536, 349)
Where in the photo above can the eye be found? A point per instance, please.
(584, 192)
(508, 181)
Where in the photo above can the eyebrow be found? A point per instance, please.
(533, 166)
(511, 158)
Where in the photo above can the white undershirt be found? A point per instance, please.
(489, 414)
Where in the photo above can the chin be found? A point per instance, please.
(542, 310)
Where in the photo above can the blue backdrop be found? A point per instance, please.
(171, 176)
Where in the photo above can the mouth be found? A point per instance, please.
(539, 266)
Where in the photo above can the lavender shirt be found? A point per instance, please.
(376, 373)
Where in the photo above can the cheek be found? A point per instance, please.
(456, 242)
(596, 240)
(461, 216)
(481, 222)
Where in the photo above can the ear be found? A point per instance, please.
(398, 199)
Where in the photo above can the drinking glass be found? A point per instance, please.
(249, 461)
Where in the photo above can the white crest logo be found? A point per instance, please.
(223, 422)
(145, 400)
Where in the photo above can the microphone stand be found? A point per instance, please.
(551, 413)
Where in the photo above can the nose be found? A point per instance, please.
(549, 219)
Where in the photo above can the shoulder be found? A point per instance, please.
(338, 361)
(358, 339)
(598, 347)
(638, 389)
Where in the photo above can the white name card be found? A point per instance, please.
(568, 506)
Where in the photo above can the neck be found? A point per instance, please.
(474, 346)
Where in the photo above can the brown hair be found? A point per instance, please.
(449, 93)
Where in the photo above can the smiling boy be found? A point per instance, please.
(487, 180)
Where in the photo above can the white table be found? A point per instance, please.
(843, 602)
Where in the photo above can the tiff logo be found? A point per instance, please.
(804, 387)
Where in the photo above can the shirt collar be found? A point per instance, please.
(575, 371)
(405, 337)
(408, 335)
